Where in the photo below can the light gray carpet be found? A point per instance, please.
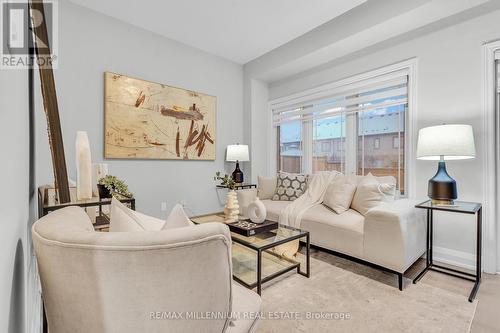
(369, 296)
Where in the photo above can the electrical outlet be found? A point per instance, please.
(163, 206)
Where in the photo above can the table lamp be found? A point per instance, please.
(441, 143)
(237, 153)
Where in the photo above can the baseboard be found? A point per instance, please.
(453, 257)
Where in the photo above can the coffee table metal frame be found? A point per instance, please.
(240, 239)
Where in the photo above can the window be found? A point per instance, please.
(290, 147)
(356, 128)
(329, 132)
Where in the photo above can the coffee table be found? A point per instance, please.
(254, 261)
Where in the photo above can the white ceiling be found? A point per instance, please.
(238, 30)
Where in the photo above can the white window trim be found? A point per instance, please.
(410, 66)
(491, 128)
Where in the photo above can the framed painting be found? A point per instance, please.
(147, 120)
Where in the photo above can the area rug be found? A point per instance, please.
(335, 299)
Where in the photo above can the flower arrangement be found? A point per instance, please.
(112, 186)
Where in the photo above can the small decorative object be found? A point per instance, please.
(445, 142)
(256, 211)
(83, 166)
(237, 153)
(112, 186)
(247, 228)
(99, 170)
(231, 211)
(151, 120)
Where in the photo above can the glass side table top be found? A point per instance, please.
(457, 206)
(50, 202)
(281, 235)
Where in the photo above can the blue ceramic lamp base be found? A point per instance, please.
(442, 188)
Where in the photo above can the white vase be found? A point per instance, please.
(256, 211)
(99, 170)
(83, 166)
(231, 210)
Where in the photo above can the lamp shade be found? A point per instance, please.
(237, 153)
(453, 142)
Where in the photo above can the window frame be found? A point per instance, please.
(409, 139)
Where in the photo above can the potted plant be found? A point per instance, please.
(112, 186)
(227, 180)
(231, 210)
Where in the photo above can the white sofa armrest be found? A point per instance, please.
(394, 234)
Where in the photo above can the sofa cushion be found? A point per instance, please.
(371, 193)
(290, 186)
(338, 232)
(274, 208)
(267, 187)
(339, 194)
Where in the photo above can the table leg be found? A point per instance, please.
(308, 256)
(431, 236)
(428, 248)
(259, 272)
(479, 243)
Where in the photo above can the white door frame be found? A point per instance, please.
(490, 143)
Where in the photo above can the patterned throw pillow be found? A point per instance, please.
(289, 186)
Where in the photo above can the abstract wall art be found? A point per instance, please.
(146, 120)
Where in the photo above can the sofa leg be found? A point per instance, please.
(400, 281)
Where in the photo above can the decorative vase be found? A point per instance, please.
(231, 210)
(256, 211)
(99, 170)
(83, 166)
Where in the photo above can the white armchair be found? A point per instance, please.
(129, 282)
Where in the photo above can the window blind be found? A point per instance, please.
(385, 91)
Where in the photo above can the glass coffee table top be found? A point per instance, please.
(260, 241)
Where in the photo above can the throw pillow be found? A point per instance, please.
(267, 187)
(177, 219)
(370, 193)
(339, 194)
(289, 186)
(124, 219)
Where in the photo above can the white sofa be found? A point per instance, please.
(390, 236)
(131, 282)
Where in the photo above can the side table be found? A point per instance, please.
(240, 186)
(463, 207)
(47, 203)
